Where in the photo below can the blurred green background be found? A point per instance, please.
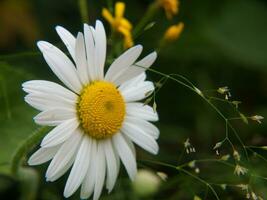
(224, 43)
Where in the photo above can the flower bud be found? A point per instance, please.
(146, 183)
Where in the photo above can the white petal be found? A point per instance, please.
(137, 68)
(126, 154)
(100, 49)
(90, 51)
(89, 181)
(61, 65)
(68, 39)
(135, 81)
(137, 92)
(43, 155)
(112, 167)
(145, 126)
(130, 143)
(81, 62)
(42, 101)
(118, 162)
(60, 173)
(79, 168)
(140, 137)
(122, 63)
(139, 110)
(60, 133)
(147, 61)
(63, 157)
(54, 116)
(49, 88)
(100, 170)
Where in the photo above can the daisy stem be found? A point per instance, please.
(83, 10)
(25, 147)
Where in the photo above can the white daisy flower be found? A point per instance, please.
(97, 117)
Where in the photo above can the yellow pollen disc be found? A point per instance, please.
(101, 109)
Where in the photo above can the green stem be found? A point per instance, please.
(193, 88)
(207, 161)
(110, 5)
(6, 99)
(83, 11)
(202, 181)
(146, 18)
(25, 147)
(187, 173)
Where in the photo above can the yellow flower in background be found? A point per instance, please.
(119, 23)
(170, 7)
(173, 32)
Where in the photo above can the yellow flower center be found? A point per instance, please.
(101, 109)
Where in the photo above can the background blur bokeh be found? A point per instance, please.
(224, 43)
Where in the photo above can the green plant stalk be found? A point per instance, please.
(193, 88)
(147, 17)
(83, 10)
(25, 147)
(180, 169)
(110, 5)
(6, 99)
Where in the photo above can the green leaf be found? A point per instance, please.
(16, 116)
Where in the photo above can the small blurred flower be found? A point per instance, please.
(260, 198)
(225, 157)
(217, 145)
(188, 147)
(257, 118)
(173, 32)
(162, 175)
(254, 196)
(239, 170)
(236, 155)
(223, 186)
(119, 23)
(146, 183)
(170, 7)
(236, 103)
(192, 164)
(243, 187)
(197, 197)
(225, 91)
